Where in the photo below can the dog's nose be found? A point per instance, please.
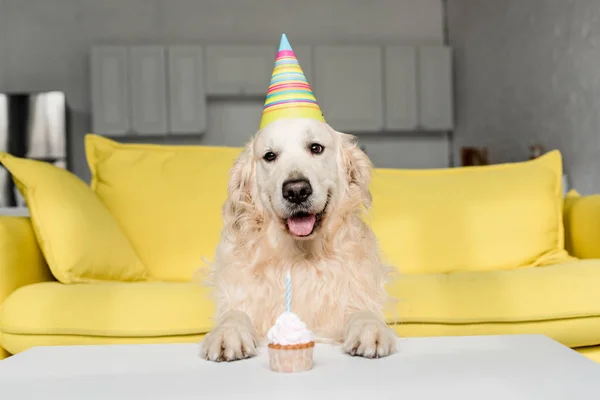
(296, 191)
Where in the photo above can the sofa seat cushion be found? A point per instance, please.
(128, 309)
(556, 292)
(15, 343)
(560, 301)
(571, 332)
(591, 352)
(574, 332)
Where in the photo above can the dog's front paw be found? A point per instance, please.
(367, 336)
(229, 341)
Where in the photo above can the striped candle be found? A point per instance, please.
(288, 292)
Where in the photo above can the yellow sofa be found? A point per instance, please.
(451, 288)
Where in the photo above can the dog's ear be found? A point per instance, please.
(356, 167)
(240, 211)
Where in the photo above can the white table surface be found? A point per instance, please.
(480, 367)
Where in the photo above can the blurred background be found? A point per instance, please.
(422, 83)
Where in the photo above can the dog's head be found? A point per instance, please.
(300, 172)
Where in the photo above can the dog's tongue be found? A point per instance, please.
(301, 226)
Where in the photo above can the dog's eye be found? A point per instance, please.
(269, 156)
(316, 148)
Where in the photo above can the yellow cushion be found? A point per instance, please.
(16, 342)
(168, 199)
(21, 261)
(78, 236)
(113, 309)
(561, 301)
(573, 197)
(565, 305)
(472, 218)
(554, 292)
(570, 200)
(591, 352)
(3, 353)
(572, 332)
(582, 226)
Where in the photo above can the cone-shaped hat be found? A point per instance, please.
(289, 94)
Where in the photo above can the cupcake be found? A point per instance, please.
(291, 344)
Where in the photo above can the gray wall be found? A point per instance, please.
(44, 44)
(528, 71)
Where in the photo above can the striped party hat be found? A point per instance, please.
(289, 94)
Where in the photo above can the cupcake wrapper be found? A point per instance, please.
(291, 360)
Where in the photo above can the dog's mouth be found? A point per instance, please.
(302, 224)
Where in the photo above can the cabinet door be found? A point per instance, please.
(148, 90)
(186, 90)
(401, 88)
(110, 90)
(239, 70)
(348, 86)
(435, 88)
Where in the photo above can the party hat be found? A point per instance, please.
(289, 94)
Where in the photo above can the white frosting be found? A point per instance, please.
(289, 330)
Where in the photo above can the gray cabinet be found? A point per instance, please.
(435, 88)
(110, 90)
(148, 90)
(161, 90)
(401, 88)
(187, 95)
(148, 72)
(239, 70)
(418, 88)
(349, 86)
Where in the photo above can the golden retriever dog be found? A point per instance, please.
(296, 200)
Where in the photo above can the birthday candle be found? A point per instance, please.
(288, 292)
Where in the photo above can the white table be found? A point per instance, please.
(482, 367)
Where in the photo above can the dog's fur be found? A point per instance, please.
(338, 277)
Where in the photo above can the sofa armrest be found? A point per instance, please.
(582, 225)
(21, 260)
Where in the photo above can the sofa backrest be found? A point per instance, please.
(484, 218)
